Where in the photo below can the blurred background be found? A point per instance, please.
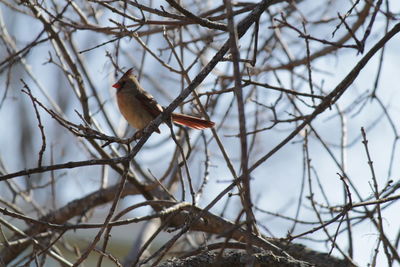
(64, 56)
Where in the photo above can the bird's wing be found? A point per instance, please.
(149, 103)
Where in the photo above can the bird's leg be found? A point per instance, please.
(138, 134)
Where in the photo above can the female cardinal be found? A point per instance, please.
(139, 107)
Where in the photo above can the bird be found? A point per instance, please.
(139, 107)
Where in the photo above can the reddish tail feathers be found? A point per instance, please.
(192, 122)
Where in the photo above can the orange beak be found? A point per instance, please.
(116, 85)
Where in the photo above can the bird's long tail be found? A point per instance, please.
(192, 122)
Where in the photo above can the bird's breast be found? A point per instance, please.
(133, 111)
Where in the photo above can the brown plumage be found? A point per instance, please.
(139, 107)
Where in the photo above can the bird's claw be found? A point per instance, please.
(138, 134)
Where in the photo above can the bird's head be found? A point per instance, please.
(128, 76)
